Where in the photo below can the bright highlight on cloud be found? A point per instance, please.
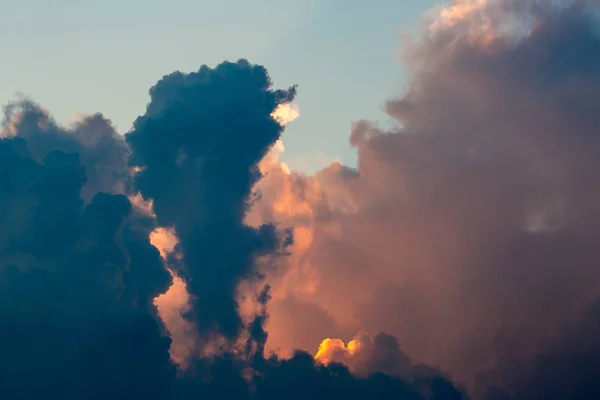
(329, 347)
(186, 260)
(449, 15)
(286, 113)
(482, 22)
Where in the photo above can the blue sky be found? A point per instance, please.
(84, 56)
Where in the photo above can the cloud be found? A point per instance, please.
(286, 113)
(198, 148)
(101, 260)
(201, 186)
(76, 286)
(186, 260)
(368, 354)
(469, 231)
(101, 150)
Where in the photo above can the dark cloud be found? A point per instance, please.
(335, 381)
(198, 148)
(567, 367)
(102, 151)
(74, 302)
(301, 377)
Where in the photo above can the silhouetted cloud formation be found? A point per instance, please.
(198, 147)
(76, 285)
(78, 274)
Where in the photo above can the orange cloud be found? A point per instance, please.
(463, 226)
(330, 349)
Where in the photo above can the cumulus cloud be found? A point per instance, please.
(102, 151)
(76, 286)
(186, 260)
(199, 161)
(95, 278)
(469, 231)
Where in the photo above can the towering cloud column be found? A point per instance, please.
(197, 149)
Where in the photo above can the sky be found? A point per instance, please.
(183, 258)
(74, 56)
